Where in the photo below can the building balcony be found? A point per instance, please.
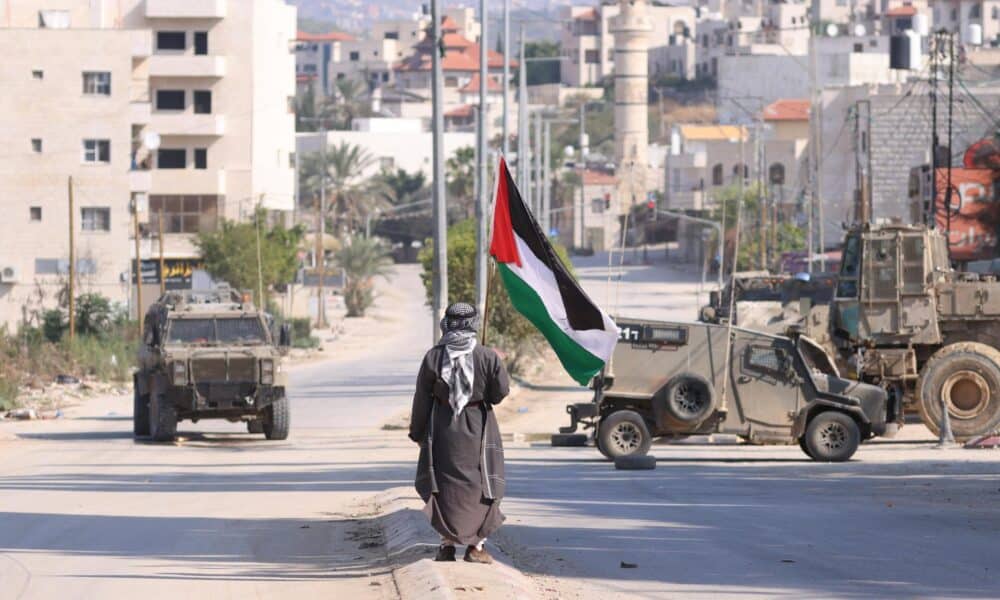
(184, 123)
(189, 181)
(139, 180)
(186, 65)
(142, 43)
(139, 112)
(185, 9)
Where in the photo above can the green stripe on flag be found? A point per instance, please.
(578, 362)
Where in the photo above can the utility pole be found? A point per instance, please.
(506, 77)
(762, 209)
(72, 262)
(583, 169)
(440, 270)
(138, 264)
(482, 200)
(321, 234)
(546, 177)
(163, 270)
(931, 219)
(537, 171)
(522, 121)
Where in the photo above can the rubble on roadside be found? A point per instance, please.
(47, 400)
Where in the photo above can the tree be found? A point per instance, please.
(350, 198)
(230, 253)
(346, 103)
(400, 187)
(305, 110)
(362, 260)
(461, 181)
(543, 71)
(789, 236)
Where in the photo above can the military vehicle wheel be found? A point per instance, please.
(162, 418)
(255, 426)
(689, 400)
(967, 377)
(278, 419)
(140, 410)
(832, 437)
(623, 433)
(569, 439)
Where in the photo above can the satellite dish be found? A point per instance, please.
(151, 140)
(570, 151)
(832, 30)
(859, 30)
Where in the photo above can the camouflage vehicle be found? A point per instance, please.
(209, 355)
(666, 380)
(902, 318)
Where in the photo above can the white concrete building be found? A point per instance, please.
(314, 53)
(392, 143)
(702, 160)
(214, 80)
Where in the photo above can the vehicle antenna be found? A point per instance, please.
(732, 293)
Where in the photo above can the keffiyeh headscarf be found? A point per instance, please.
(459, 327)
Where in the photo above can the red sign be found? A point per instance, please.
(973, 217)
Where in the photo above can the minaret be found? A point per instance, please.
(631, 30)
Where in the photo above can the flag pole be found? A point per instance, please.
(489, 211)
(486, 304)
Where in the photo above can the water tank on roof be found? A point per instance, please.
(974, 35)
(921, 24)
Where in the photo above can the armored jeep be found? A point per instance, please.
(209, 355)
(672, 380)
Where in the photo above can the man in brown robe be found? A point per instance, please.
(460, 473)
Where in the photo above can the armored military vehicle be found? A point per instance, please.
(902, 318)
(209, 355)
(674, 379)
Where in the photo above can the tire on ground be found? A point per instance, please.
(569, 439)
(804, 447)
(623, 433)
(140, 410)
(967, 375)
(688, 400)
(831, 437)
(162, 416)
(635, 462)
(278, 419)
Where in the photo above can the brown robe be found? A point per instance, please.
(460, 473)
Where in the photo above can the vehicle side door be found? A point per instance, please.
(767, 386)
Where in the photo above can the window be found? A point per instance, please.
(36, 213)
(597, 205)
(392, 35)
(203, 102)
(451, 82)
(201, 42)
(201, 158)
(96, 151)
(859, 48)
(57, 266)
(171, 158)
(385, 76)
(171, 40)
(184, 214)
(355, 56)
(776, 174)
(36, 145)
(310, 68)
(591, 57)
(97, 83)
(37, 74)
(736, 171)
(975, 12)
(761, 358)
(53, 19)
(717, 174)
(169, 99)
(94, 218)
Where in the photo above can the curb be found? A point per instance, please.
(409, 539)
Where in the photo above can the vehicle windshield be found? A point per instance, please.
(235, 330)
(816, 358)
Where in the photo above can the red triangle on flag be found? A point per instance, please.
(503, 247)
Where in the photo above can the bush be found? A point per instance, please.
(54, 325)
(8, 394)
(507, 328)
(93, 315)
(362, 260)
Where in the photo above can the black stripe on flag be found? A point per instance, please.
(582, 313)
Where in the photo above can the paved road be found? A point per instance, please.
(87, 513)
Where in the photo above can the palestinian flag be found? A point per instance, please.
(541, 288)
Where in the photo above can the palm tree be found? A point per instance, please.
(346, 103)
(400, 187)
(349, 197)
(362, 260)
(461, 178)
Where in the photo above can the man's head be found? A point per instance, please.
(460, 316)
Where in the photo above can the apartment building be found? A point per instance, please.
(961, 15)
(182, 106)
(314, 53)
(702, 160)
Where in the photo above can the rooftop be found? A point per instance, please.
(906, 10)
(713, 132)
(787, 109)
(460, 54)
(492, 85)
(332, 36)
(593, 177)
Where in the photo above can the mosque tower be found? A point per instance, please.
(631, 29)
